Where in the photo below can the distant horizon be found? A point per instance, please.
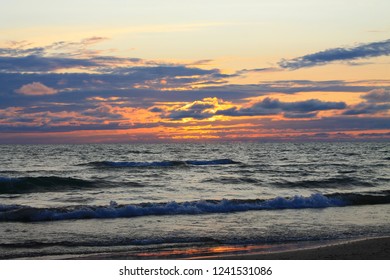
(168, 71)
(192, 142)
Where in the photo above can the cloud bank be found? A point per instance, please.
(66, 87)
(270, 106)
(338, 54)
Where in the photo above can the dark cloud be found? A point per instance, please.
(34, 63)
(16, 52)
(150, 77)
(116, 93)
(293, 87)
(67, 48)
(377, 96)
(102, 112)
(75, 90)
(267, 107)
(270, 106)
(197, 110)
(377, 101)
(18, 120)
(367, 108)
(156, 110)
(201, 62)
(39, 63)
(340, 123)
(256, 70)
(338, 54)
(63, 128)
(195, 114)
(61, 55)
(311, 105)
(384, 135)
(173, 72)
(300, 115)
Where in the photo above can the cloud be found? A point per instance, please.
(200, 109)
(160, 71)
(376, 135)
(97, 116)
(68, 48)
(93, 40)
(102, 112)
(19, 57)
(156, 110)
(115, 71)
(377, 96)
(300, 115)
(377, 101)
(367, 108)
(40, 63)
(295, 86)
(36, 88)
(16, 52)
(201, 62)
(256, 70)
(269, 106)
(339, 123)
(338, 54)
(103, 92)
(77, 89)
(209, 107)
(195, 114)
(34, 63)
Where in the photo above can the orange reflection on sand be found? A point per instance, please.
(206, 251)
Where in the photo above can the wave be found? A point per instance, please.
(231, 180)
(22, 213)
(142, 152)
(167, 163)
(41, 184)
(113, 242)
(335, 182)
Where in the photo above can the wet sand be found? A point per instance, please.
(368, 249)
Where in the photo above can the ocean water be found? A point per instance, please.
(188, 200)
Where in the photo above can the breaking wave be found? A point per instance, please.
(167, 163)
(22, 213)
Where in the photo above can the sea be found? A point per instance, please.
(183, 200)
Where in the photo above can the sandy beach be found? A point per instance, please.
(368, 249)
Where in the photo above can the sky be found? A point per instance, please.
(129, 71)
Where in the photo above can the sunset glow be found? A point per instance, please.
(142, 71)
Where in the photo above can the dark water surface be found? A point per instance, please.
(67, 200)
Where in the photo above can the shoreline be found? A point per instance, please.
(377, 248)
